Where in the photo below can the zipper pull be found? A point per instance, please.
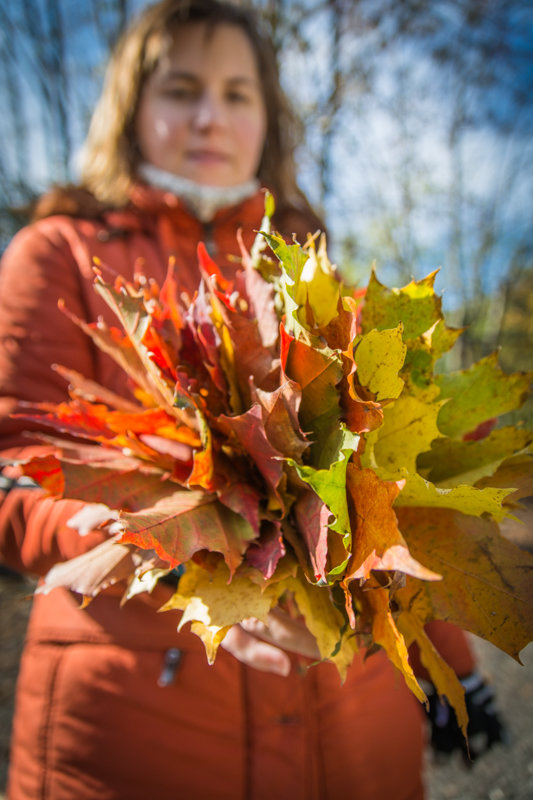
(171, 663)
(209, 239)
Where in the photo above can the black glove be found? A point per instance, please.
(485, 727)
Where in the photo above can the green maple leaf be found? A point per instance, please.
(330, 485)
(450, 462)
(416, 306)
(479, 393)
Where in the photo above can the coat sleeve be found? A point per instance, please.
(452, 644)
(37, 269)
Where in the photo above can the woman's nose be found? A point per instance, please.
(209, 112)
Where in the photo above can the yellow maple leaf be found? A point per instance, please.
(379, 356)
(442, 675)
(213, 605)
(319, 288)
(468, 499)
(386, 634)
(409, 426)
(324, 622)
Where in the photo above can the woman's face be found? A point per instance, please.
(202, 113)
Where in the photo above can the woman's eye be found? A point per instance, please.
(180, 93)
(237, 97)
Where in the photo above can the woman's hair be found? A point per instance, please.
(111, 155)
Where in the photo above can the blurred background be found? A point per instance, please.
(416, 146)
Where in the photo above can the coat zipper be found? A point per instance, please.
(171, 663)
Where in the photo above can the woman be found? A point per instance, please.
(113, 703)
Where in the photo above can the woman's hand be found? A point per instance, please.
(264, 646)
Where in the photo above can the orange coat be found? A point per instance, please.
(93, 720)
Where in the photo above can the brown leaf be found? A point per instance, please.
(318, 375)
(254, 360)
(280, 418)
(377, 541)
(139, 368)
(516, 472)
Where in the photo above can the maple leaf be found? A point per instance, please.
(280, 418)
(112, 342)
(243, 499)
(47, 472)
(180, 525)
(105, 565)
(380, 356)
(425, 350)
(94, 392)
(330, 485)
(292, 260)
(248, 431)
(324, 621)
(468, 499)
(313, 516)
(151, 434)
(378, 543)
(486, 586)
(255, 361)
(409, 428)
(213, 605)
(317, 373)
(319, 287)
(260, 297)
(342, 329)
(419, 310)
(415, 306)
(515, 471)
(127, 489)
(265, 553)
(443, 677)
(203, 470)
(361, 416)
(479, 393)
(77, 418)
(450, 462)
(386, 634)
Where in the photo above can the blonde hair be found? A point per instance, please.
(111, 155)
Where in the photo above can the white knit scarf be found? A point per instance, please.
(201, 200)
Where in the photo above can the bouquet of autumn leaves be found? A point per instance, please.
(289, 442)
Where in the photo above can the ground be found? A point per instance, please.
(505, 773)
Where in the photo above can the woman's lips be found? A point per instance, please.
(208, 157)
